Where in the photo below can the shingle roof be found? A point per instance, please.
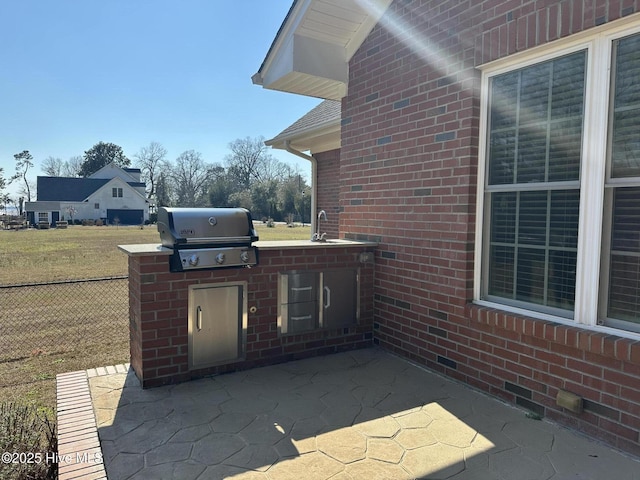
(326, 112)
(68, 189)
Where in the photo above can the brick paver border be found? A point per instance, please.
(79, 452)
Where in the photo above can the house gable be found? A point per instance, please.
(112, 170)
(129, 190)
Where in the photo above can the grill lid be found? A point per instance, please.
(203, 227)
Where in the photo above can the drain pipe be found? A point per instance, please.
(314, 178)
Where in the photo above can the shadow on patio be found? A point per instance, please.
(362, 414)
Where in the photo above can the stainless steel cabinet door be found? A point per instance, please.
(215, 324)
(340, 298)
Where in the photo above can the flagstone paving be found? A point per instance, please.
(363, 414)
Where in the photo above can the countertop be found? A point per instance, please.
(158, 249)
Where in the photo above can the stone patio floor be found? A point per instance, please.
(363, 414)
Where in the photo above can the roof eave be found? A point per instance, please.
(319, 138)
(310, 56)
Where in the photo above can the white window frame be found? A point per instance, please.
(598, 44)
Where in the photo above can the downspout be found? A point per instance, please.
(314, 178)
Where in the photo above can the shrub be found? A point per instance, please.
(98, 223)
(24, 430)
(271, 223)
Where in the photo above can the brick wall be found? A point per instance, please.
(328, 190)
(158, 312)
(408, 169)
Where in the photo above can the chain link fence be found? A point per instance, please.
(81, 322)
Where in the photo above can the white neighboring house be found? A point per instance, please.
(112, 194)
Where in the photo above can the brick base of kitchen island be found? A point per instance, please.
(159, 309)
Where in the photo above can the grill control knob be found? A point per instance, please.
(220, 258)
(244, 256)
(193, 260)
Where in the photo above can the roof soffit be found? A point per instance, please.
(311, 52)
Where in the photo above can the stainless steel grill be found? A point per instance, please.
(204, 238)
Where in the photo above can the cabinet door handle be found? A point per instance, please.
(327, 297)
(199, 318)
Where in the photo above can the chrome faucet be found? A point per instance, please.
(317, 237)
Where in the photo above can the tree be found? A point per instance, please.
(248, 160)
(3, 182)
(52, 166)
(221, 189)
(71, 167)
(4, 198)
(24, 161)
(102, 154)
(191, 177)
(149, 159)
(264, 198)
(294, 197)
(56, 167)
(163, 191)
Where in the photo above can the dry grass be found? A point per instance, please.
(79, 252)
(28, 256)
(76, 252)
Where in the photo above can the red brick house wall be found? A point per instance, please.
(328, 190)
(409, 160)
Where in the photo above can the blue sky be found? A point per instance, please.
(76, 72)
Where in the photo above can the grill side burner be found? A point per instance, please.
(204, 238)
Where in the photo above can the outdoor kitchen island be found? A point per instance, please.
(268, 325)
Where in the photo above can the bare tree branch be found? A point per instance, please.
(149, 159)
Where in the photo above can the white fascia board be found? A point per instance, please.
(318, 138)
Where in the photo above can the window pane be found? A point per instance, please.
(533, 245)
(530, 275)
(563, 221)
(501, 271)
(562, 279)
(625, 140)
(502, 157)
(565, 147)
(533, 218)
(534, 94)
(624, 288)
(535, 137)
(624, 268)
(503, 220)
(535, 132)
(504, 101)
(568, 87)
(532, 154)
